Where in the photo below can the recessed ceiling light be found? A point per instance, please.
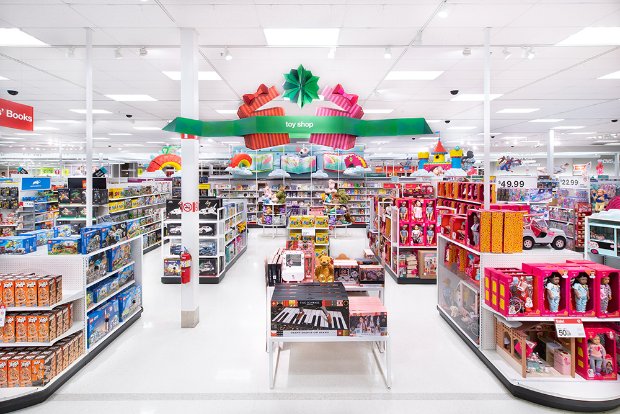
(427, 138)
(613, 75)
(27, 134)
(477, 97)
(45, 128)
(413, 74)
(95, 111)
(593, 36)
(133, 145)
(147, 128)
(132, 98)
(63, 121)
(302, 37)
(378, 111)
(155, 142)
(119, 134)
(568, 127)
(547, 120)
(175, 138)
(331, 54)
(518, 110)
(433, 121)
(3, 78)
(15, 37)
(101, 139)
(202, 75)
(462, 127)
(581, 133)
(226, 111)
(513, 137)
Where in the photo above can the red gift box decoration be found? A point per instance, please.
(251, 103)
(350, 108)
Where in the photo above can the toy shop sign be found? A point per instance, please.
(569, 328)
(15, 115)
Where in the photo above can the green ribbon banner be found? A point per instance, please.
(300, 126)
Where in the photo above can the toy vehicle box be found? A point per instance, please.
(371, 274)
(63, 245)
(91, 240)
(42, 235)
(118, 256)
(207, 248)
(126, 275)
(18, 244)
(62, 230)
(208, 267)
(96, 327)
(173, 211)
(207, 229)
(111, 312)
(133, 228)
(208, 208)
(129, 301)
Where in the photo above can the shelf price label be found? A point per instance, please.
(307, 231)
(569, 328)
(516, 182)
(572, 182)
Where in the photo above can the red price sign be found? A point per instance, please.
(569, 328)
(189, 207)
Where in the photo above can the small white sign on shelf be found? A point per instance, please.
(307, 231)
(569, 328)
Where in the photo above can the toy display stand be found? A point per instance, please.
(380, 345)
(479, 333)
(274, 226)
(73, 271)
(226, 232)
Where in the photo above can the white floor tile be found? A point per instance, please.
(157, 367)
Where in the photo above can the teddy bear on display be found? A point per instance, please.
(324, 270)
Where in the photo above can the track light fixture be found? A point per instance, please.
(387, 53)
(507, 54)
(117, 53)
(143, 52)
(466, 51)
(332, 53)
(530, 53)
(227, 54)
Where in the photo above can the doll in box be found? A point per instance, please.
(552, 291)
(417, 211)
(605, 293)
(416, 234)
(430, 210)
(430, 234)
(581, 292)
(596, 355)
(404, 234)
(403, 211)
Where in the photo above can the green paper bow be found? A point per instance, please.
(301, 86)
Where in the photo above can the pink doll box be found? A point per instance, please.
(474, 227)
(612, 306)
(573, 274)
(517, 294)
(417, 234)
(593, 367)
(430, 211)
(403, 234)
(416, 206)
(562, 361)
(544, 274)
(402, 204)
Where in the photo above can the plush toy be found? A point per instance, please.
(324, 270)
(342, 196)
(347, 216)
(267, 195)
(268, 210)
(281, 195)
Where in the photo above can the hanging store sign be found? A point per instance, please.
(516, 181)
(36, 183)
(15, 115)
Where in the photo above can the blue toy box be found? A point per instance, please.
(63, 245)
(118, 256)
(129, 301)
(91, 240)
(96, 328)
(42, 235)
(112, 314)
(62, 230)
(18, 244)
(126, 275)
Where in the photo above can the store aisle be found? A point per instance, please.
(221, 366)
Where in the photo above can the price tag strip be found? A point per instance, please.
(569, 328)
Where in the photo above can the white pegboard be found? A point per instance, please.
(71, 267)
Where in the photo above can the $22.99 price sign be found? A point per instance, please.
(571, 182)
(569, 328)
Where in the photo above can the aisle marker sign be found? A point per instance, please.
(569, 328)
(15, 115)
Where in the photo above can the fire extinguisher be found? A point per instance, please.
(186, 266)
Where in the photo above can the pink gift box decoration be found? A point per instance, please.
(251, 103)
(350, 109)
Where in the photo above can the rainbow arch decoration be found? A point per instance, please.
(241, 160)
(165, 160)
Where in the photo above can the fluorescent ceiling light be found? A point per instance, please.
(547, 120)
(518, 110)
(202, 75)
(478, 97)
(302, 37)
(133, 145)
(612, 143)
(119, 134)
(428, 138)
(413, 74)
(568, 127)
(433, 121)
(101, 139)
(63, 121)
(3, 78)
(226, 111)
(132, 98)
(511, 137)
(14, 138)
(7, 142)
(155, 142)
(147, 128)
(378, 111)
(27, 134)
(462, 127)
(491, 133)
(15, 37)
(613, 75)
(593, 36)
(175, 138)
(45, 128)
(581, 133)
(95, 111)
(231, 142)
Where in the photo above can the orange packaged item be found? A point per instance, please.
(58, 280)
(497, 228)
(31, 292)
(8, 293)
(21, 328)
(20, 292)
(43, 291)
(43, 324)
(25, 372)
(53, 321)
(8, 332)
(13, 372)
(33, 327)
(3, 372)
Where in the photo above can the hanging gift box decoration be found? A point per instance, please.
(251, 103)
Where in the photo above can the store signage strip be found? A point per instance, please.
(300, 126)
(15, 115)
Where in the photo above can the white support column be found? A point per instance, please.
(617, 165)
(89, 126)
(487, 118)
(190, 148)
(550, 151)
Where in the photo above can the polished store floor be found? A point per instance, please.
(221, 366)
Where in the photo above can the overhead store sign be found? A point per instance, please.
(15, 115)
(36, 183)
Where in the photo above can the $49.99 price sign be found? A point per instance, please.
(569, 328)
(516, 182)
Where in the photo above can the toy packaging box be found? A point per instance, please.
(346, 271)
(173, 211)
(96, 327)
(208, 208)
(321, 221)
(97, 266)
(206, 229)
(174, 229)
(18, 244)
(63, 245)
(118, 256)
(91, 240)
(133, 228)
(208, 267)
(371, 274)
(42, 235)
(294, 221)
(111, 311)
(207, 248)
(596, 353)
(172, 266)
(552, 285)
(367, 316)
(606, 290)
(581, 294)
(129, 301)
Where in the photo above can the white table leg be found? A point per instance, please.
(388, 363)
(271, 373)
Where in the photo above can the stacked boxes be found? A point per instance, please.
(30, 290)
(103, 319)
(37, 326)
(367, 316)
(18, 244)
(417, 221)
